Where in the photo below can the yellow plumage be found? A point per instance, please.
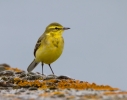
(50, 51)
(49, 46)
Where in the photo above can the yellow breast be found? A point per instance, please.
(50, 50)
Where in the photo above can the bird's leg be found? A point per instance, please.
(51, 69)
(42, 67)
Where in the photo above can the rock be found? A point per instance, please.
(30, 73)
(35, 77)
(7, 73)
(33, 88)
(51, 77)
(63, 77)
(3, 67)
(22, 74)
(6, 84)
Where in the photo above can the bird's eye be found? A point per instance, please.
(56, 28)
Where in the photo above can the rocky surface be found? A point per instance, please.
(16, 84)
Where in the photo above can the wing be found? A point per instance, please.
(38, 44)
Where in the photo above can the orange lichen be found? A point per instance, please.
(115, 93)
(35, 83)
(62, 84)
(28, 80)
(45, 94)
(58, 93)
(93, 97)
(82, 85)
(13, 69)
(70, 97)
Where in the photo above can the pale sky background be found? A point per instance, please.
(95, 46)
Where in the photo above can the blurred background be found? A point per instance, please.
(95, 46)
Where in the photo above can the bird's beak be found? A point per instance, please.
(66, 28)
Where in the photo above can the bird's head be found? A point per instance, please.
(55, 29)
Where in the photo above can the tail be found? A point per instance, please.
(32, 66)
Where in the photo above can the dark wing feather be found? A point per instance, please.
(38, 44)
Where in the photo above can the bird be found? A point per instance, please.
(49, 46)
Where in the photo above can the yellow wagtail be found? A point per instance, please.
(49, 46)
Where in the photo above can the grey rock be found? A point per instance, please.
(3, 67)
(33, 88)
(7, 73)
(51, 77)
(23, 74)
(63, 77)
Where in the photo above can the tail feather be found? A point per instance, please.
(32, 66)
